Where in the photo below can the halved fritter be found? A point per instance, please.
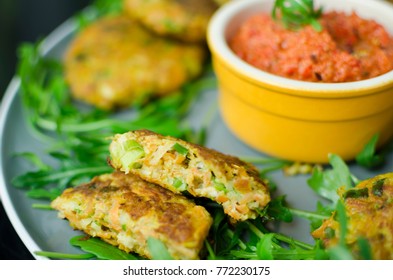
(114, 62)
(181, 166)
(125, 211)
(185, 20)
(369, 210)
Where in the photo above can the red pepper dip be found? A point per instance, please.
(348, 48)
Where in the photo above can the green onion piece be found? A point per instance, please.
(329, 232)
(180, 149)
(220, 187)
(377, 188)
(356, 193)
(132, 151)
(179, 184)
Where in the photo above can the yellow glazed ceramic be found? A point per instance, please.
(297, 120)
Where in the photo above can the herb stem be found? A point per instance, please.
(57, 175)
(307, 214)
(42, 206)
(290, 240)
(76, 127)
(280, 237)
(210, 249)
(255, 230)
(240, 243)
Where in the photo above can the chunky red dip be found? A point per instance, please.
(348, 48)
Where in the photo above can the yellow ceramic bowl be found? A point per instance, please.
(295, 120)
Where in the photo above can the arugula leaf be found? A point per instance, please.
(364, 249)
(57, 255)
(35, 160)
(368, 157)
(322, 210)
(316, 218)
(43, 193)
(278, 210)
(265, 247)
(326, 183)
(342, 220)
(274, 246)
(100, 249)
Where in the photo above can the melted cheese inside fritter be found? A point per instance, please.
(125, 211)
(181, 166)
(114, 62)
(369, 210)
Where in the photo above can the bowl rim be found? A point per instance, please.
(216, 38)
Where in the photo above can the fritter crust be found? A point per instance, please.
(125, 211)
(185, 20)
(369, 210)
(115, 61)
(181, 166)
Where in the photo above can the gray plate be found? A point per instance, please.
(42, 230)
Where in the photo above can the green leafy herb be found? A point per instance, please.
(57, 255)
(95, 248)
(368, 157)
(100, 249)
(296, 13)
(364, 249)
(326, 183)
(278, 210)
(341, 251)
(268, 245)
(316, 217)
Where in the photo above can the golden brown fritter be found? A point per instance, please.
(185, 20)
(181, 166)
(369, 210)
(125, 211)
(115, 61)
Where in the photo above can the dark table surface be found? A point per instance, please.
(24, 21)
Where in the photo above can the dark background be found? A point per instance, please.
(24, 21)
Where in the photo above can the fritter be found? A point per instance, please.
(115, 61)
(185, 20)
(221, 2)
(125, 211)
(369, 210)
(181, 166)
